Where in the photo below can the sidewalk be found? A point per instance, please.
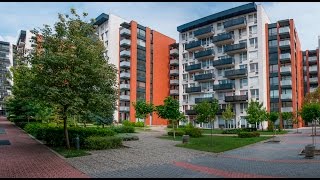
(26, 158)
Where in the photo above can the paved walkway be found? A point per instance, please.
(154, 157)
(26, 158)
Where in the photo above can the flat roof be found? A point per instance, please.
(101, 19)
(236, 11)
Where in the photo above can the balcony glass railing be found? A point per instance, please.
(223, 86)
(235, 47)
(226, 61)
(124, 75)
(124, 108)
(285, 56)
(236, 72)
(202, 54)
(313, 68)
(125, 64)
(192, 45)
(286, 96)
(174, 71)
(199, 100)
(204, 76)
(124, 97)
(286, 109)
(314, 79)
(284, 43)
(193, 89)
(125, 42)
(234, 22)
(203, 31)
(235, 98)
(312, 58)
(284, 30)
(125, 53)
(285, 82)
(174, 51)
(285, 69)
(124, 86)
(193, 67)
(125, 31)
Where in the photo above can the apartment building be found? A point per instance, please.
(6, 60)
(145, 57)
(310, 70)
(174, 70)
(223, 56)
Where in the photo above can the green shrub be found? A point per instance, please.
(178, 133)
(249, 129)
(193, 132)
(139, 124)
(123, 129)
(127, 123)
(232, 131)
(128, 137)
(169, 126)
(21, 124)
(179, 126)
(98, 142)
(35, 129)
(270, 127)
(248, 134)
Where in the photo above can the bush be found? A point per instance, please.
(248, 134)
(139, 124)
(35, 129)
(128, 137)
(193, 132)
(123, 129)
(178, 133)
(98, 142)
(169, 126)
(270, 127)
(21, 124)
(249, 129)
(232, 131)
(133, 124)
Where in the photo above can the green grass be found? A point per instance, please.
(70, 153)
(220, 143)
(214, 131)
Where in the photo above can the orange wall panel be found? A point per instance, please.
(133, 70)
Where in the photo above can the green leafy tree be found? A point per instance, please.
(273, 116)
(228, 114)
(287, 116)
(170, 111)
(71, 72)
(143, 109)
(310, 112)
(255, 112)
(206, 112)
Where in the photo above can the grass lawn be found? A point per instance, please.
(70, 153)
(214, 131)
(220, 143)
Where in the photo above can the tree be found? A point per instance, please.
(170, 111)
(273, 116)
(228, 114)
(286, 116)
(71, 72)
(143, 108)
(255, 112)
(310, 112)
(206, 113)
(295, 119)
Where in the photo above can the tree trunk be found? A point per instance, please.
(144, 124)
(211, 133)
(262, 125)
(65, 129)
(312, 132)
(174, 132)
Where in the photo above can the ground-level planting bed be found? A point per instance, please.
(69, 153)
(220, 143)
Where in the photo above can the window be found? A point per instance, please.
(254, 93)
(185, 98)
(274, 106)
(185, 77)
(141, 85)
(221, 96)
(286, 104)
(141, 43)
(272, 31)
(274, 93)
(252, 30)
(220, 72)
(102, 36)
(253, 55)
(254, 81)
(274, 81)
(141, 65)
(243, 107)
(141, 32)
(253, 42)
(243, 66)
(141, 95)
(273, 43)
(191, 34)
(273, 68)
(141, 74)
(242, 33)
(254, 67)
(141, 53)
(183, 36)
(243, 56)
(185, 56)
(252, 18)
(219, 49)
(243, 82)
(219, 26)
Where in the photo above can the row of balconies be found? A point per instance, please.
(216, 87)
(229, 49)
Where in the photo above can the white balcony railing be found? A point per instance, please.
(285, 82)
(285, 69)
(286, 109)
(174, 51)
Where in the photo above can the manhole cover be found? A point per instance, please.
(5, 142)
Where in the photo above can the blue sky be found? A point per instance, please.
(161, 16)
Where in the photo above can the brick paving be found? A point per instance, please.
(27, 158)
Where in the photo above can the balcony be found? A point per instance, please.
(191, 112)
(204, 32)
(285, 70)
(124, 98)
(174, 52)
(194, 46)
(174, 92)
(125, 53)
(221, 87)
(174, 71)
(125, 43)
(125, 64)
(194, 68)
(235, 24)
(220, 111)
(199, 100)
(313, 89)
(222, 63)
(125, 86)
(284, 30)
(312, 60)
(193, 89)
(313, 69)
(204, 77)
(235, 48)
(286, 83)
(125, 75)
(286, 97)
(237, 73)
(125, 32)
(174, 61)
(225, 38)
(284, 44)
(236, 98)
(124, 108)
(174, 81)
(313, 80)
(285, 57)
(204, 54)
(286, 109)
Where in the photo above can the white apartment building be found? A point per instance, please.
(108, 31)
(6, 60)
(223, 56)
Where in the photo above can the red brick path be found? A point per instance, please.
(27, 158)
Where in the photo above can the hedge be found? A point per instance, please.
(248, 134)
(128, 137)
(134, 124)
(178, 133)
(99, 143)
(123, 129)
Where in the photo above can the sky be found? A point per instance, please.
(161, 16)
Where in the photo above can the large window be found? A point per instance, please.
(253, 30)
(141, 32)
(252, 18)
(141, 65)
(254, 93)
(274, 93)
(219, 26)
(272, 31)
(243, 82)
(141, 74)
(274, 81)
(254, 67)
(141, 95)
(243, 56)
(141, 54)
(243, 107)
(254, 81)
(273, 43)
(273, 68)
(253, 42)
(274, 106)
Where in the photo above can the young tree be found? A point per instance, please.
(228, 115)
(71, 72)
(169, 111)
(206, 113)
(310, 112)
(255, 112)
(273, 116)
(286, 116)
(295, 119)
(143, 108)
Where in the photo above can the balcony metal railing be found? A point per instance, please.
(193, 89)
(235, 98)
(285, 56)
(125, 53)
(124, 108)
(285, 82)
(125, 97)
(286, 109)
(124, 64)
(124, 75)
(125, 31)
(217, 87)
(235, 48)
(193, 67)
(284, 69)
(204, 32)
(225, 37)
(199, 100)
(284, 30)
(236, 72)
(286, 96)
(204, 54)
(193, 45)
(201, 77)
(223, 62)
(124, 86)
(234, 23)
(174, 81)
(174, 91)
